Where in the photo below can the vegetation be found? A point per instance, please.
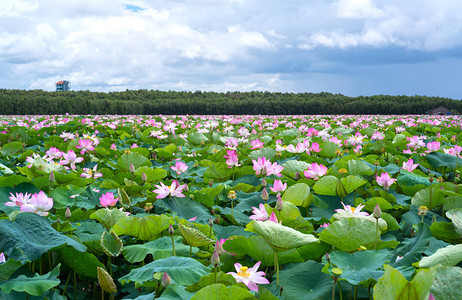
(149, 102)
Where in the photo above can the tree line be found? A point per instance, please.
(153, 102)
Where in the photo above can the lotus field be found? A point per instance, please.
(230, 207)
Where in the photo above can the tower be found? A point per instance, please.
(62, 85)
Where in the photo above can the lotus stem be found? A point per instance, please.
(173, 245)
(215, 276)
(333, 289)
(356, 292)
(376, 232)
(67, 282)
(190, 251)
(276, 267)
(75, 286)
(340, 291)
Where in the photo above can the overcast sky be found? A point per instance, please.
(352, 47)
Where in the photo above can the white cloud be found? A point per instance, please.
(205, 44)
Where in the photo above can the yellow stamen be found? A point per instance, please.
(353, 209)
(243, 272)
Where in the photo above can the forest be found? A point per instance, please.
(153, 102)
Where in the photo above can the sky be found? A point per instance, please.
(350, 47)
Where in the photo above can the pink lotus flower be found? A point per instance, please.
(91, 173)
(278, 186)
(85, 146)
(315, 171)
(256, 144)
(415, 142)
(315, 147)
(108, 200)
(39, 204)
(174, 190)
(2, 258)
(70, 158)
(273, 218)
(250, 277)
(378, 136)
(352, 210)
(324, 225)
(259, 214)
(180, 167)
(275, 169)
(433, 146)
(53, 153)
(231, 158)
(409, 165)
(261, 165)
(385, 180)
(18, 199)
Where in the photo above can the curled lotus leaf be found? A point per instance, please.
(194, 237)
(280, 237)
(105, 281)
(344, 214)
(111, 243)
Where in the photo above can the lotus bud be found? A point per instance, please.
(166, 280)
(264, 194)
(328, 257)
(264, 171)
(51, 178)
(263, 182)
(431, 179)
(217, 220)
(186, 187)
(194, 153)
(279, 203)
(68, 213)
(180, 149)
(170, 229)
(144, 177)
(131, 169)
(377, 212)
(431, 297)
(210, 222)
(215, 261)
(297, 176)
(105, 281)
(58, 220)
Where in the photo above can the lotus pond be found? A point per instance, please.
(230, 207)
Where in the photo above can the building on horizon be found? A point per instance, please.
(63, 85)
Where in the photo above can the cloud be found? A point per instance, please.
(219, 45)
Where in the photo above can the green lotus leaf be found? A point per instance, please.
(294, 166)
(152, 175)
(31, 235)
(34, 286)
(358, 167)
(360, 266)
(447, 283)
(448, 256)
(456, 217)
(393, 285)
(429, 197)
(438, 159)
(143, 228)
(196, 138)
(223, 278)
(223, 292)
(411, 179)
(194, 237)
(298, 194)
(280, 237)
(138, 160)
(304, 281)
(255, 247)
(108, 217)
(112, 245)
(173, 292)
(340, 215)
(182, 270)
(328, 149)
(185, 207)
(383, 204)
(11, 148)
(82, 263)
(159, 248)
(9, 267)
(269, 153)
(349, 234)
(123, 196)
(326, 185)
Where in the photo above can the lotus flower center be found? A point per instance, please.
(243, 272)
(353, 209)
